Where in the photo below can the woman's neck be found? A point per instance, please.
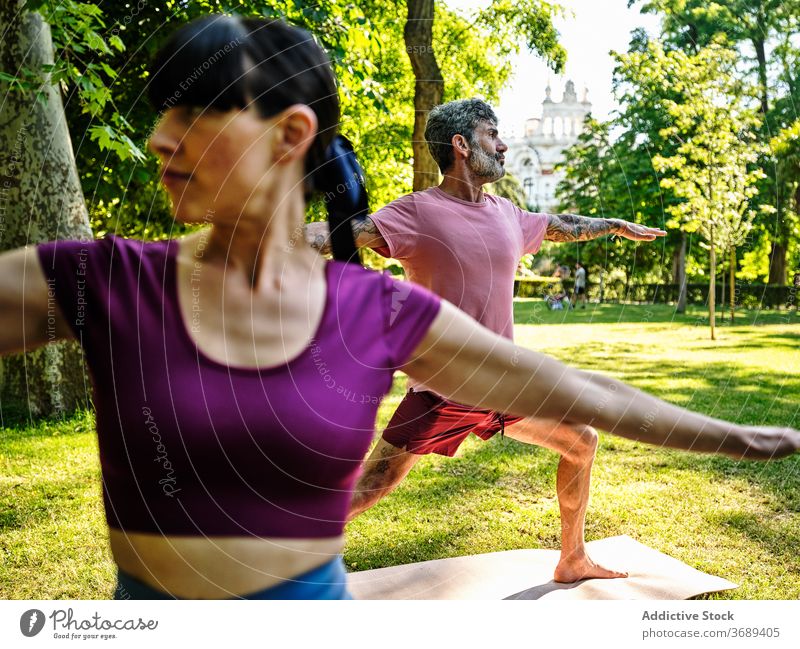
(259, 249)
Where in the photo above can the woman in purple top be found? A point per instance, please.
(236, 373)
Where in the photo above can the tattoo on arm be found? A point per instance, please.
(367, 227)
(322, 244)
(572, 227)
(318, 236)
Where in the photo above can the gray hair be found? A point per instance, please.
(460, 117)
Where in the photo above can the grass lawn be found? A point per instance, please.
(739, 520)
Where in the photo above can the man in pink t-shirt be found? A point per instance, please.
(464, 245)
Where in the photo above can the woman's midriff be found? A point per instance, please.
(217, 567)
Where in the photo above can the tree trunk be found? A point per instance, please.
(780, 236)
(722, 293)
(777, 263)
(761, 57)
(732, 283)
(780, 240)
(712, 284)
(428, 86)
(40, 200)
(679, 273)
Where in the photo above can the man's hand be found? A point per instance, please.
(637, 232)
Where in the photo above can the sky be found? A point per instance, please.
(596, 27)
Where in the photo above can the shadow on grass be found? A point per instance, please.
(781, 539)
(730, 392)
(764, 341)
(534, 311)
(777, 479)
(721, 389)
(498, 473)
(17, 425)
(28, 504)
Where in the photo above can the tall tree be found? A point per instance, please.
(762, 32)
(41, 199)
(376, 82)
(428, 88)
(504, 23)
(695, 24)
(616, 178)
(714, 164)
(784, 164)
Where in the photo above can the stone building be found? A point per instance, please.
(532, 157)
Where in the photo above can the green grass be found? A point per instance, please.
(739, 520)
(53, 536)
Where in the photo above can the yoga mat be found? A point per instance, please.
(528, 574)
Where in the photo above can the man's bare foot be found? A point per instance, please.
(577, 568)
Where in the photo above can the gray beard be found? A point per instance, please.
(484, 165)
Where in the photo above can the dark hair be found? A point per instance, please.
(225, 62)
(460, 117)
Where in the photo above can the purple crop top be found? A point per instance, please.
(189, 446)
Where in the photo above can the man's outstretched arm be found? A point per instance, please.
(365, 231)
(572, 227)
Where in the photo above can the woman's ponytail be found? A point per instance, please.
(340, 179)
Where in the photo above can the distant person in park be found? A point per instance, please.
(236, 373)
(580, 285)
(464, 245)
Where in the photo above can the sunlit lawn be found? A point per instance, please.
(738, 520)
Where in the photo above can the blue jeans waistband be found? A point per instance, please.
(328, 581)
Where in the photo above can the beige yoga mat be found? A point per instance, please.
(528, 574)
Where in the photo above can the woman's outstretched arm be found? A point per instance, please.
(469, 364)
(29, 316)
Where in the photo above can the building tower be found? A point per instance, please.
(533, 156)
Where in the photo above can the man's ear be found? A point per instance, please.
(295, 131)
(460, 146)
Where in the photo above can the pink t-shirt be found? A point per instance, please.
(465, 252)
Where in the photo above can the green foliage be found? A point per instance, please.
(764, 35)
(755, 262)
(103, 53)
(784, 178)
(662, 110)
(713, 167)
(616, 179)
(83, 46)
(509, 21)
(714, 162)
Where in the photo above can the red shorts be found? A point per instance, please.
(425, 423)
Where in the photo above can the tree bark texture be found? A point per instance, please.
(778, 269)
(428, 86)
(777, 263)
(40, 200)
(679, 273)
